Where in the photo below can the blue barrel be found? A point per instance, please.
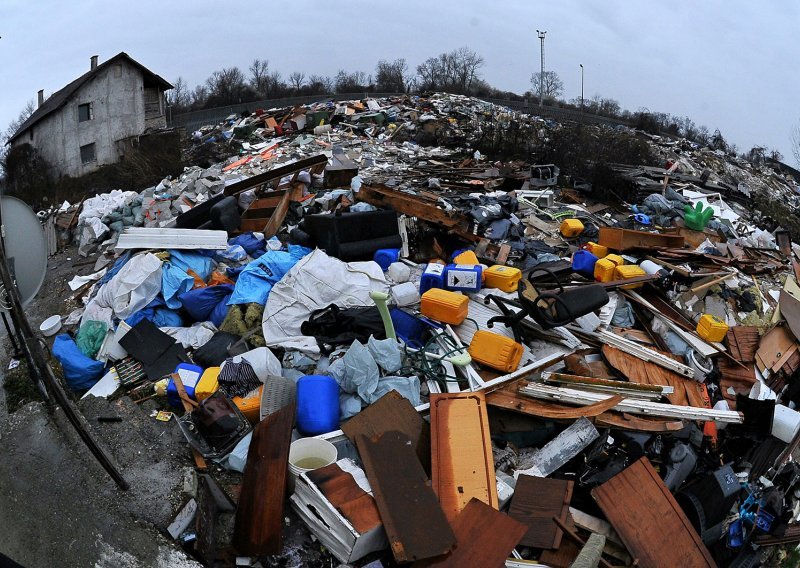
(385, 257)
(317, 405)
(583, 263)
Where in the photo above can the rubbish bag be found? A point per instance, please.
(258, 277)
(157, 312)
(134, 286)
(250, 242)
(90, 337)
(386, 353)
(174, 282)
(334, 326)
(81, 372)
(201, 302)
(356, 372)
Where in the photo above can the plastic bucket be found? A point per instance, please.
(306, 454)
(699, 364)
(785, 423)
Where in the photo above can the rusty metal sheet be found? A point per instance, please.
(462, 466)
(649, 521)
(412, 516)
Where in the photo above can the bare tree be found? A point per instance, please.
(390, 76)
(456, 71)
(548, 85)
(259, 76)
(320, 85)
(228, 86)
(11, 129)
(179, 97)
(199, 96)
(351, 82)
(297, 80)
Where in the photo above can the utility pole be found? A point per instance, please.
(581, 64)
(541, 75)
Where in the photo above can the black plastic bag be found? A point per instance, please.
(334, 326)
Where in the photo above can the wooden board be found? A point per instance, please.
(392, 412)
(775, 349)
(412, 205)
(414, 521)
(535, 502)
(743, 342)
(687, 392)
(259, 516)
(735, 377)
(565, 554)
(341, 489)
(649, 521)
(532, 407)
(624, 239)
(462, 466)
(484, 537)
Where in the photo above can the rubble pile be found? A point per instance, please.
(360, 313)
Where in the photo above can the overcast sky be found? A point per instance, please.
(727, 65)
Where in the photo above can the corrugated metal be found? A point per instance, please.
(153, 238)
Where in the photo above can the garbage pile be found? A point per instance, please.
(388, 333)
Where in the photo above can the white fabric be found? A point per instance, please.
(192, 337)
(133, 287)
(316, 282)
(79, 281)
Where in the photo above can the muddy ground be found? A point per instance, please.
(58, 506)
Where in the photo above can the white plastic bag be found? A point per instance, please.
(135, 285)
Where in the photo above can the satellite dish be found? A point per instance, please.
(25, 246)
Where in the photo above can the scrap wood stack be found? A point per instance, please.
(380, 332)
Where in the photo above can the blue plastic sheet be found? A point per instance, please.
(200, 303)
(257, 278)
(249, 242)
(80, 371)
(174, 282)
(201, 264)
(157, 312)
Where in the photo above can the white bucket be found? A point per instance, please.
(312, 452)
(785, 423)
(699, 364)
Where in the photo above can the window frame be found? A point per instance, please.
(94, 153)
(89, 114)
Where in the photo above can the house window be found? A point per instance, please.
(88, 153)
(85, 112)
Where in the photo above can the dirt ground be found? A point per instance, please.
(58, 507)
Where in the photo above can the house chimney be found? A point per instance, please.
(41, 97)
(94, 63)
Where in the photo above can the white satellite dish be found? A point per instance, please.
(25, 246)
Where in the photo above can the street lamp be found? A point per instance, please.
(581, 64)
(541, 35)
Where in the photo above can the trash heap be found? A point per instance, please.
(371, 332)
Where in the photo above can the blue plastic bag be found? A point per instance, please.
(157, 312)
(201, 302)
(249, 242)
(174, 282)
(257, 278)
(201, 264)
(220, 311)
(80, 371)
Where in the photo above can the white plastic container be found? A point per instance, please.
(306, 454)
(785, 423)
(50, 326)
(699, 364)
(399, 272)
(405, 294)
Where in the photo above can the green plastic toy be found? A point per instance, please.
(697, 218)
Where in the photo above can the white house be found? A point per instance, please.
(91, 121)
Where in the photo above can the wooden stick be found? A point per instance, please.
(573, 536)
(698, 289)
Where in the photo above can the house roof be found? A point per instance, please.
(61, 97)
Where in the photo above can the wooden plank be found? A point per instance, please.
(484, 537)
(259, 517)
(743, 342)
(392, 412)
(341, 489)
(626, 421)
(462, 466)
(412, 205)
(573, 536)
(774, 347)
(624, 239)
(535, 502)
(276, 220)
(648, 519)
(524, 405)
(275, 174)
(414, 521)
(565, 554)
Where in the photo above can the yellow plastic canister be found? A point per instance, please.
(598, 250)
(571, 227)
(466, 257)
(604, 270)
(250, 405)
(505, 278)
(711, 328)
(444, 306)
(207, 385)
(627, 271)
(495, 351)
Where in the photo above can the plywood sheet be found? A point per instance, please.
(392, 412)
(775, 349)
(649, 521)
(414, 521)
(462, 465)
(535, 502)
(259, 516)
(484, 537)
(743, 342)
(355, 504)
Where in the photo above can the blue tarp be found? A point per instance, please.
(80, 371)
(258, 277)
(202, 303)
(157, 312)
(174, 282)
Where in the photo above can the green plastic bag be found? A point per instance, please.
(90, 337)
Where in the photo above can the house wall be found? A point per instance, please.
(117, 97)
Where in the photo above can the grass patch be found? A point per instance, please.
(19, 388)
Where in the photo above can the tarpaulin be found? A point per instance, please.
(133, 287)
(174, 282)
(81, 372)
(257, 278)
(201, 302)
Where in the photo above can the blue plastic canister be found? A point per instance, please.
(385, 257)
(317, 405)
(432, 277)
(190, 376)
(463, 277)
(583, 263)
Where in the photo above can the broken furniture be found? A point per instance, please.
(535, 502)
(353, 236)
